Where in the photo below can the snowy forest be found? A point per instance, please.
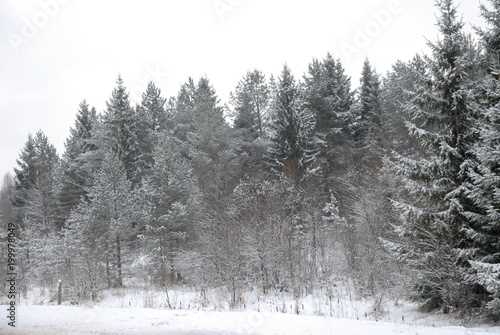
(295, 185)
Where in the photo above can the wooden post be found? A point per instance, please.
(59, 291)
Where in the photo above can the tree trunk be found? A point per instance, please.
(107, 267)
(163, 268)
(259, 118)
(171, 267)
(119, 281)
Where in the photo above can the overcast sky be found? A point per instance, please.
(55, 53)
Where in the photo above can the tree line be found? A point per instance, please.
(295, 186)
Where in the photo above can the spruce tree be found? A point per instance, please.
(36, 209)
(152, 119)
(25, 174)
(328, 96)
(491, 37)
(210, 127)
(291, 151)
(483, 191)
(76, 175)
(369, 125)
(183, 111)
(35, 180)
(483, 188)
(433, 228)
(121, 131)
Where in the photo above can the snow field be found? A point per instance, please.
(136, 310)
(145, 321)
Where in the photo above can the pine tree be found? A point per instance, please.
(121, 131)
(292, 129)
(152, 119)
(251, 100)
(76, 175)
(433, 228)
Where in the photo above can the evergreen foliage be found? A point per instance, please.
(433, 228)
(76, 175)
(251, 102)
(291, 151)
(120, 133)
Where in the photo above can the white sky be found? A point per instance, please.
(55, 53)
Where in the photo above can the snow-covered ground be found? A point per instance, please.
(145, 312)
(111, 320)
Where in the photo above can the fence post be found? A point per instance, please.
(59, 291)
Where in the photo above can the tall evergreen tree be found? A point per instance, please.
(211, 147)
(329, 97)
(484, 186)
(491, 37)
(210, 127)
(36, 209)
(483, 192)
(25, 174)
(251, 100)
(291, 151)
(152, 119)
(400, 79)
(35, 179)
(76, 175)
(121, 131)
(183, 111)
(433, 228)
(369, 126)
